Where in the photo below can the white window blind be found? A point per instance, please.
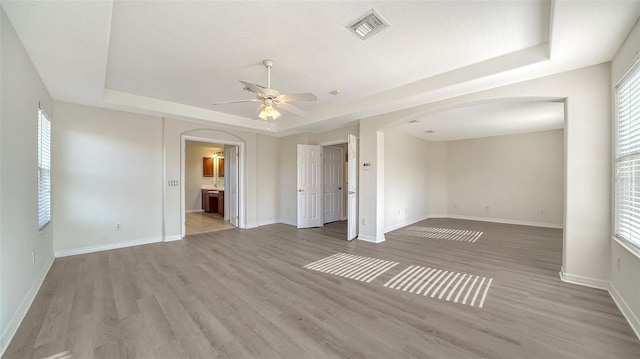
(44, 169)
(627, 161)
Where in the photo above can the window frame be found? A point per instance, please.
(44, 169)
(628, 231)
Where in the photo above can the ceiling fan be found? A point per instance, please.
(272, 99)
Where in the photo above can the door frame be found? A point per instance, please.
(345, 190)
(319, 206)
(241, 183)
(227, 201)
(341, 175)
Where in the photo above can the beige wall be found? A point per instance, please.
(269, 186)
(289, 177)
(406, 194)
(516, 176)
(339, 134)
(22, 90)
(371, 184)
(587, 221)
(625, 285)
(110, 170)
(107, 171)
(437, 159)
(508, 178)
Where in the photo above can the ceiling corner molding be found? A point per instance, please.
(552, 10)
(163, 108)
(446, 85)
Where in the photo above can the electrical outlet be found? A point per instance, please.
(618, 263)
(363, 221)
(486, 208)
(118, 226)
(542, 211)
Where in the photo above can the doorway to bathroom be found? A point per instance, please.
(210, 186)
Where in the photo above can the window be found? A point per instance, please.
(44, 169)
(627, 160)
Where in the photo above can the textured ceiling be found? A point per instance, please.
(176, 58)
(488, 119)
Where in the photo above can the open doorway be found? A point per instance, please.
(327, 187)
(210, 175)
(334, 188)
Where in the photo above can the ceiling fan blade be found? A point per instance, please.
(291, 108)
(253, 88)
(238, 101)
(292, 97)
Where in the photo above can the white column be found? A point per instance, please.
(371, 183)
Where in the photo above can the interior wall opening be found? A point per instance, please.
(210, 186)
(335, 184)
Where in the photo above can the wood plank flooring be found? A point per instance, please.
(245, 294)
(203, 222)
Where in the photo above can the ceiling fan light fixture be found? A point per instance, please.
(269, 112)
(272, 99)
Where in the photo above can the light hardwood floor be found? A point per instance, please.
(244, 293)
(203, 222)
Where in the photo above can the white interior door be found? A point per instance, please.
(231, 183)
(352, 187)
(332, 183)
(309, 186)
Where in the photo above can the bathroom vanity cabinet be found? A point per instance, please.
(213, 201)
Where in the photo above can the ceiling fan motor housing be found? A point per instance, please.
(272, 99)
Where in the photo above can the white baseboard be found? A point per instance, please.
(472, 218)
(19, 315)
(267, 222)
(106, 247)
(624, 307)
(194, 210)
(371, 239)
(396, 226)
(175, 237)
(585, 281)
(506, 221)
(290, 222)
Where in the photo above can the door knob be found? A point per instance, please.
(300, 190)
(352, 192)
(339, 187)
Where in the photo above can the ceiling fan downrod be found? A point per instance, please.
(269, 65)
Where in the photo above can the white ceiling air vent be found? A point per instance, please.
(368, 25)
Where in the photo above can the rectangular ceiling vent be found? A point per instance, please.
(368, 25)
